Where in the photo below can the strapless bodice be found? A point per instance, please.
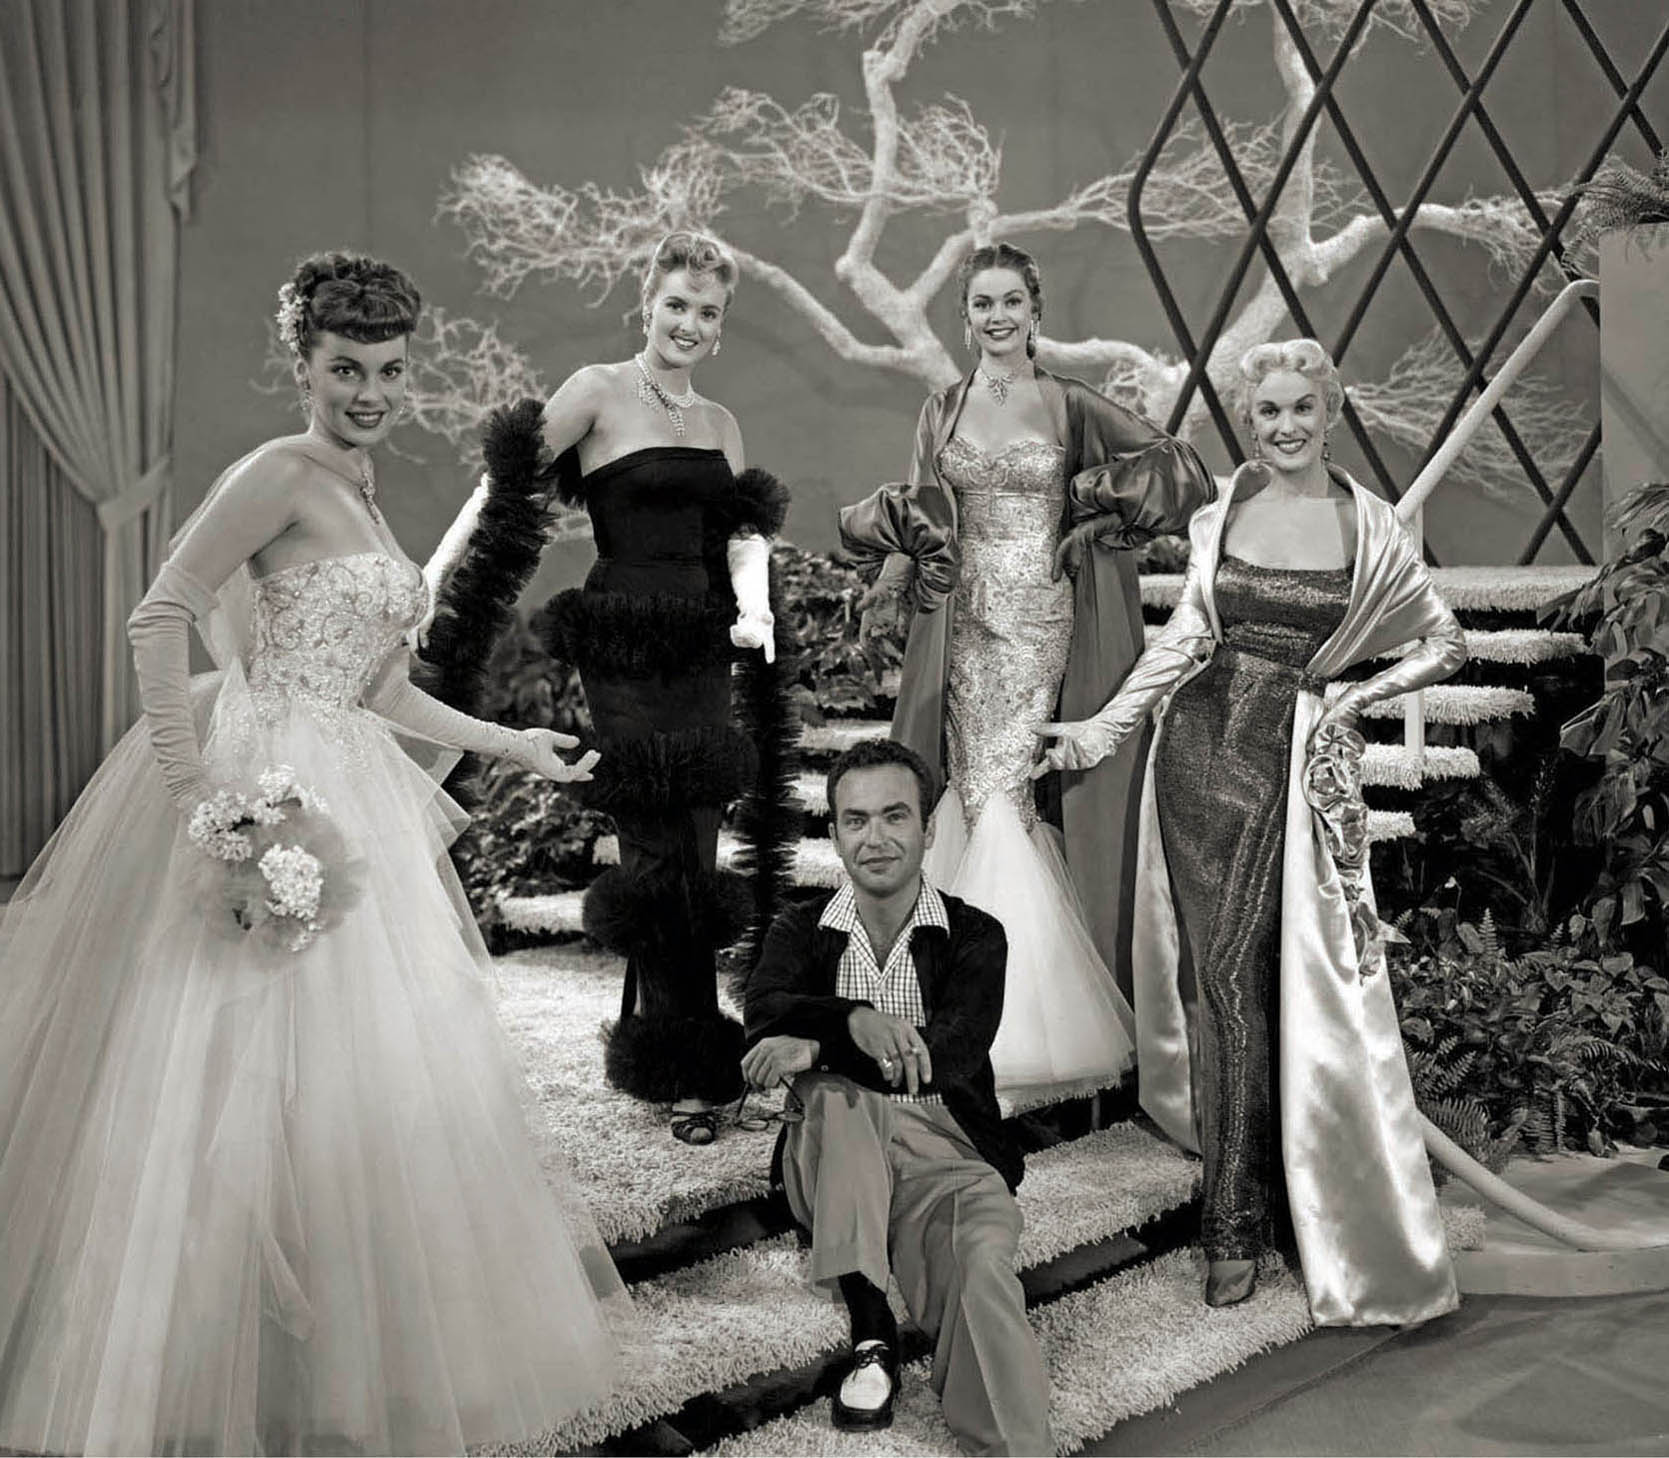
(320, 630)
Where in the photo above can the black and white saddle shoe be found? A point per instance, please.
(864, 1402)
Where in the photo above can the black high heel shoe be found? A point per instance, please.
(1228, 1283)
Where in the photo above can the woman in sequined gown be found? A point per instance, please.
(258, 1200)
(1026, 492)
(1288, 1073)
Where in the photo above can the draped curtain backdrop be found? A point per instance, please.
(97, 146)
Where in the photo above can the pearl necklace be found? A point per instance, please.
(649, 390)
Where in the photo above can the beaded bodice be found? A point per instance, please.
(320, 630)
(1011, 627)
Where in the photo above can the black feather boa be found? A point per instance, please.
(761, 503)
(475, 604)
(768, 819)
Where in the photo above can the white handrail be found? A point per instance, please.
(1410, 510)
(1467, 426)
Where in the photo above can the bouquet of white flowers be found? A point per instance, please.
(283, 872)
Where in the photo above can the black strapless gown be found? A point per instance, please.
(650, 635)
(1220, 771)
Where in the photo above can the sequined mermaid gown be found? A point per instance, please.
(262, 1201)
(1221, 768)
(1064, 1019)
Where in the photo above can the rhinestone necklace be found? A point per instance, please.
(362, 480)
(999, 384)
(649, 390)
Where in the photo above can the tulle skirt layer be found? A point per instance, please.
(264, 1201)
(1064, 1019)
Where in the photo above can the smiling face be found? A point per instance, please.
(685, 314)
(1000, 313)
(1289, 419)
(877, 828)
(355, 388)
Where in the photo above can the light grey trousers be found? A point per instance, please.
(886, 1186)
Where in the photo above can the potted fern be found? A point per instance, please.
(1626, 213)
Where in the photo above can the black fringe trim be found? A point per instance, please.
(761, 503)
(767, 822)
(635, 635)
(661, 773)
(478, 599)
(633, 911)
(659, 1059)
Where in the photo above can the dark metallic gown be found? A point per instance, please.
(1221, 769)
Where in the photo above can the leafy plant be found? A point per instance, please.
(837, 674)
(1626, 814)
(527, 835)
(1618, 196)
(1559, 1046)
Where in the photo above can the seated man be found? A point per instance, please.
(879, 1003)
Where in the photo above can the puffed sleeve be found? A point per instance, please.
(1134, 481)
(914, 521)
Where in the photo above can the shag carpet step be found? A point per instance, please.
(1386, 764)
(751, 1311)
(1123, 1346)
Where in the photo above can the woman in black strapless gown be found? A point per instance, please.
(650, 633)
(678, 596)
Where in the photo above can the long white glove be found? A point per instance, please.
(1171, 654)
(160, 632)
(749, 559)
(393, 695)
(445, 557)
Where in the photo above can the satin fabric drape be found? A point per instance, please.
(1364, 1211)
(97, 143)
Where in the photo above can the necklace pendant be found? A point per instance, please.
(998, 384)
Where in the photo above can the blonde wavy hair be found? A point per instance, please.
(1302, 356)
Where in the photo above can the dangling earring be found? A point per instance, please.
(968, 335)
(1031, 341)
(716, 343)
(645, 323)
(1326, 449)
(1257, 448)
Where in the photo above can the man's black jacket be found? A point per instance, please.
(792, 991)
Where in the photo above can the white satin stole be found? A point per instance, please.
(1364, 1209)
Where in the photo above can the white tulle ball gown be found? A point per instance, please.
(257, 1200)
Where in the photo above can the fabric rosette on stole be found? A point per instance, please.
(275, 869)
(1333, 791)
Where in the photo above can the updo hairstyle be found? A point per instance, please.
(1003, 255)
(695, 253)
(351, 294)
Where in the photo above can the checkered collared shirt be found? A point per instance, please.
(894, 989)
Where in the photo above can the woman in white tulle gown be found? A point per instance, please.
(257, 1199)
(1009, 542)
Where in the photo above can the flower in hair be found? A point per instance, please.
(288, 318)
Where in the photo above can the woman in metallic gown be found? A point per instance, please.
(1253, 861)
(1011, 543)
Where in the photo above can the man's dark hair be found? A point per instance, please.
(870, 753)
